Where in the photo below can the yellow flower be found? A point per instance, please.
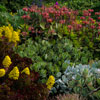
(0, 35)
(2, 72)
(14, 74)
(10, 34)
(50, 82)
(12, 14)
(6, 62)
(15, 37)
(26, 71)
(18, 30)
(1, 32)
(79, 21)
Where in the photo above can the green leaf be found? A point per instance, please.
(42, 25)
(58, 74)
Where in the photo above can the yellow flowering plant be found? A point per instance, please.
(14, 74)
(26, 71)
(9, 33)
(2, 72)
(7, 61)
(50, 82)
(26, 82)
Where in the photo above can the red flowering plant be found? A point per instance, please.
(56, 21)
(45, 20)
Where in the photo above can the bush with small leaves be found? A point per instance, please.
(50, 57)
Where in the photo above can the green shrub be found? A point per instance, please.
(80, 4)
(10, 18)
(50, 57)
(2, 8)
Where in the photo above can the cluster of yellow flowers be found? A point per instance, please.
(12, 14)
(14, 74)
(2, 72)
(79, 21)
(10, 34)
(50, 82)
(6, 62)
(26, 71)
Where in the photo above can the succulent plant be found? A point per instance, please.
(79, 79)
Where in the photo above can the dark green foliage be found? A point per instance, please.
(50, 57)
(96, 8)
(3, 18)
(81, 4)
(15, 19)
(76, 4)
(14, 5)
(2, 8)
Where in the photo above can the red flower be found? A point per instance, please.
(90, 10)
(62, 21)
(70, 27)
(99, 23)
(92, 26)
(97, 13)
(25, 9)
(82, 17)
(30, 28)
(24, 33)
(86, 13)
(62, 12)
(33, 31)
(98, 18)
(85, 22)
(31, 10)
(98, 27)
(49, 20)
(69, 13)
(79, 25)
(90, 19)
(28, 17)
(24, 17)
